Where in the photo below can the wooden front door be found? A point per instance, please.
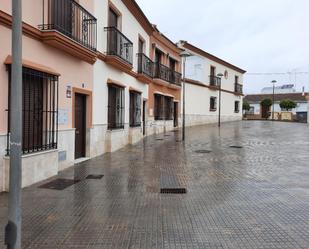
(265, 111)
(80, 125)
(144, 117)
(175, 114)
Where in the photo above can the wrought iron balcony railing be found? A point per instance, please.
(145, 65)
(238, 88)
(119, 45)
(165, 73)
(214, 80)
(72, 20)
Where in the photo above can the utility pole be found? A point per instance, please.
(273, 106)
(13, 228)
(219, 77)
(184, 55)
(184, 101)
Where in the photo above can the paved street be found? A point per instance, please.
(252, 197)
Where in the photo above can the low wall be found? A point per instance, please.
(194, 120)
(35, 167)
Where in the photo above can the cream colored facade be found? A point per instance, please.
(109, 140)
(198, 92)
(86, 68)
(73, 71)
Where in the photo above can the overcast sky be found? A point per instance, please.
(260, 36)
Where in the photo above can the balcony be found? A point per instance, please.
(214, 81)
(118, 45)
(238, 88)
(68, 26)
(145, 65)
(165, 73)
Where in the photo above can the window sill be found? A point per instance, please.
(135, 126)
(115, 129)
(37, 153)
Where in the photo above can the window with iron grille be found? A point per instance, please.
(39, 111)
(115, 107)
(213, 103)
(164, 107)
(236, 108)
(169, 108)
(135, 109)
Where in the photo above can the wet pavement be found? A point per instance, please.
(254, 194)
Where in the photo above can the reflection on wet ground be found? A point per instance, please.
(247, 187)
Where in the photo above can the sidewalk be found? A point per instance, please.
(254, 194)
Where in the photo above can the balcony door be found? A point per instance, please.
(212, 71)
(62, 16)
(113, 46)
(112, 18)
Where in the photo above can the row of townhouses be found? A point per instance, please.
(97, 75)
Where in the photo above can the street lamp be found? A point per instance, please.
(13, 228)
(273, 112)
(219, 75)
(184, 55)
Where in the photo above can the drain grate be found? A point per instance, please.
(203, 151)
(173, 190)
(236, 146)
(167, 135)
(159, 139)
(59, 184)
(94, 177)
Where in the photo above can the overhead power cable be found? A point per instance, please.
(277, 73)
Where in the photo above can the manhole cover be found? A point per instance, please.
(95, 177)
(203, 151)
(59, 184)
(236, 146)
(173, 191)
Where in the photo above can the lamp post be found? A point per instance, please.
(184, 55)
(13, 228)
(219, 75)
(273, 112)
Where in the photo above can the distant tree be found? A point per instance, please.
(287, 104)
(246, 106)
(267, 102)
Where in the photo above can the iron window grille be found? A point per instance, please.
(213, 103)
(119, 45)
(71, 19)
(135, 109)
(145, 65)
(238, 88)
(115, 107)
(214, 80)
(164, 107)
(236, 107)
(40, 100)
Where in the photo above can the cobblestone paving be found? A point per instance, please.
(252, 197)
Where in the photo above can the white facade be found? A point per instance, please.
(105, 140)
(198, 95)
(301, 107)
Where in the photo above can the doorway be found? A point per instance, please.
(265, 111)
(144, 117)
(175, 114)
(80, 125)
